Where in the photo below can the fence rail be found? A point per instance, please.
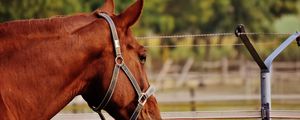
(224, 67)
(221, 71)
(216, 98)
(280, 114)
(229, 114)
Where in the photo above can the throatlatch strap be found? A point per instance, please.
(101, 115)
(110, 90)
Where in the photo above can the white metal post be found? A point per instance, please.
(266, 67)
(265, 94)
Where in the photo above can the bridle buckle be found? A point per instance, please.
(143, 99)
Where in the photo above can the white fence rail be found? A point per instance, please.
(230, 114)
(163, 98)
(216, 98)
(223, 71)
(193, 115)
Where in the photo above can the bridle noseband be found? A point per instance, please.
(119, 64)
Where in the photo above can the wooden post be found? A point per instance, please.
(193, 103)
(298, 68)
(74, 109)
(242, 69)
(224, 75)
(162, 73)
(184, 72)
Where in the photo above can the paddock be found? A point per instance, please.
(185, 73)
(194, 115)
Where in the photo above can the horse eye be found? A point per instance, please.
(143, 58)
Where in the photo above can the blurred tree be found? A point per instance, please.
(91, 5)
(260, 15)
(206, 16)
(281, 7)
(211, 16)
(169, 16)
(25, 9)
(156, 20)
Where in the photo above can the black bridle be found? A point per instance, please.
(119, 64)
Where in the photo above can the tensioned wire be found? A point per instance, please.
(203, 45)
(206, 35)
(151, 38)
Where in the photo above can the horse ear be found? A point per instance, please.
(131, 14)
(108, 7)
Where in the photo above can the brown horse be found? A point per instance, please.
(45, 63)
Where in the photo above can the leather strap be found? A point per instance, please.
(132, 80)
(141, 102)
(110, 90)
(113, 32)
(119, 64)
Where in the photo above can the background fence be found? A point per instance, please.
(194, 83)
(193, 115)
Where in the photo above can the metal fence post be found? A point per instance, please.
(265, 94)
(265, 67)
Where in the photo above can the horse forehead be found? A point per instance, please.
(128, 40)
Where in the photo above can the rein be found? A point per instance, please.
(119, 64)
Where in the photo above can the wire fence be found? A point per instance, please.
(207, 35)
(184, 36)
(217, 39)
(204, 45)
(154, 41)
(185, 41)
(235, 114)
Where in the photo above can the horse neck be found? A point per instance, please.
(48, 74)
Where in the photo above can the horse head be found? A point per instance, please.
(123, 61)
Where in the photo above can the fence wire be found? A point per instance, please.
(184, 36)
(179, 38)
(204, 45)
(207, 35)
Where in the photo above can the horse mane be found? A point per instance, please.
(48, 26)
(20, 33)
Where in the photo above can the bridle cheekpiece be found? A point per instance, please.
(119, 64)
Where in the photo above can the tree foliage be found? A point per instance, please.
(223, 15)
(27, 9)
(167, 16)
